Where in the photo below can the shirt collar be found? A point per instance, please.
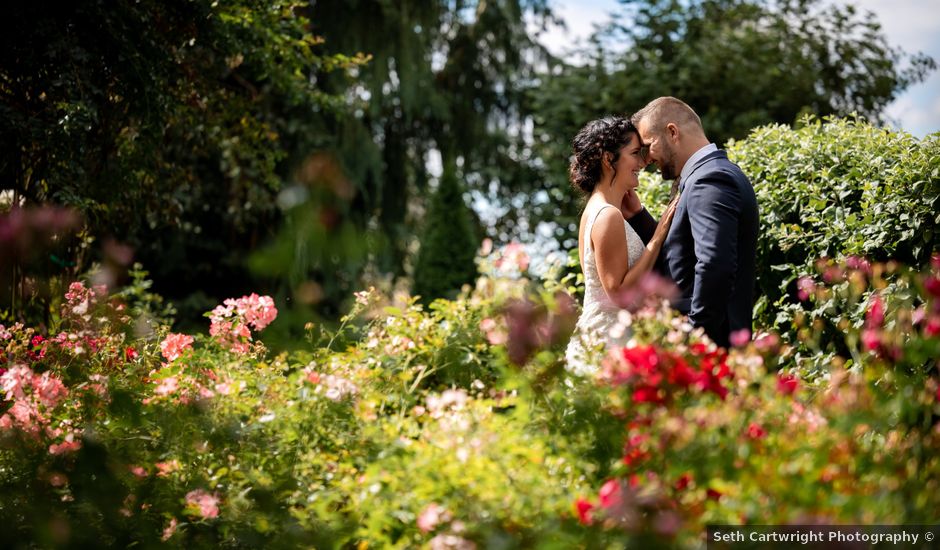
(693, 160)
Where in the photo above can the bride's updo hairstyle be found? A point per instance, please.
(604, 135)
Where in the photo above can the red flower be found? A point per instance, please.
(787, 384)
(933, 326)
(932, 285)
(648, 394)
(875, 317)
(610, 495)
(584, 509)
(130, 353)
(755, 431)
(683, 375)
(871, 339)
(644, 362)
(632, 451)
(713, 494)
(683, 482)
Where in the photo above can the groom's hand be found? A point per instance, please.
(630, 205)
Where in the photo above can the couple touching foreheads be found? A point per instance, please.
(705, 242)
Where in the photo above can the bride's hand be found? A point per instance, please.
(630, 205)
(665, 222)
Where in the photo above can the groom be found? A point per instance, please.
(711, 246)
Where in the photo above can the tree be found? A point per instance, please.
(448, 244)
(169, 125)
(446, 79)
(738, 63)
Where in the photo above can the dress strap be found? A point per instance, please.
(590, 225)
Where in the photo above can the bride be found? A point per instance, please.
(608, 156)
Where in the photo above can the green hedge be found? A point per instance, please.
(838, 187)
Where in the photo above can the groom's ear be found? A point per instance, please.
(672, 132)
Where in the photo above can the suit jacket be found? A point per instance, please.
(710, 250)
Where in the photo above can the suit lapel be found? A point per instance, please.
(704, 160)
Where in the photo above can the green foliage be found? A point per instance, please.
(838, 187)
(168, 125)
(450, 82)
(415, 427)
(448, 245)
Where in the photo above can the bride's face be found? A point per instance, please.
(630, 163)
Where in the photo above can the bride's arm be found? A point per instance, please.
(610, 246)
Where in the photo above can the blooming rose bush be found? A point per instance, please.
(457, 425)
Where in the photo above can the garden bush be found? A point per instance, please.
(456, 425)
(838, 187)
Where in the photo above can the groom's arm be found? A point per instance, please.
(644, 224)
(713, 207)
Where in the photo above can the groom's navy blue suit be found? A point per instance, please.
(711, 246)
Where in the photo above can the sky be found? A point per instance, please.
(912, 25)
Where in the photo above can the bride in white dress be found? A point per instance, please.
(608, 156)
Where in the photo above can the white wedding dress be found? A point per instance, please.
(598, 312)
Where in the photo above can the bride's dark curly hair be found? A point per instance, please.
(608, 134)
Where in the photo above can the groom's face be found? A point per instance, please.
(660, 152)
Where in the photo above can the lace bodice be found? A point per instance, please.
(598, 312)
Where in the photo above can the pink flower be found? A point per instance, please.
(806, 287)
(364, 297)
(515, 256)
(495, 335)
(15, 381)
(767, 342)
(740, 338)
(58, 479)
(858, 264)
(164, 469)
(206, 503)
(430, 517)
(138, 471)
(875, 317)
(167, 386)
(76, 290)
(174, 345)
(169, 530)
(610, 495)
(66, 446)
(49, 389)
(755, 431)
(584, 509)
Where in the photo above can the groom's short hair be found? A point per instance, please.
(663, 110)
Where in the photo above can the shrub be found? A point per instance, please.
(457, 425)
(838, 187)
(448, 244)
